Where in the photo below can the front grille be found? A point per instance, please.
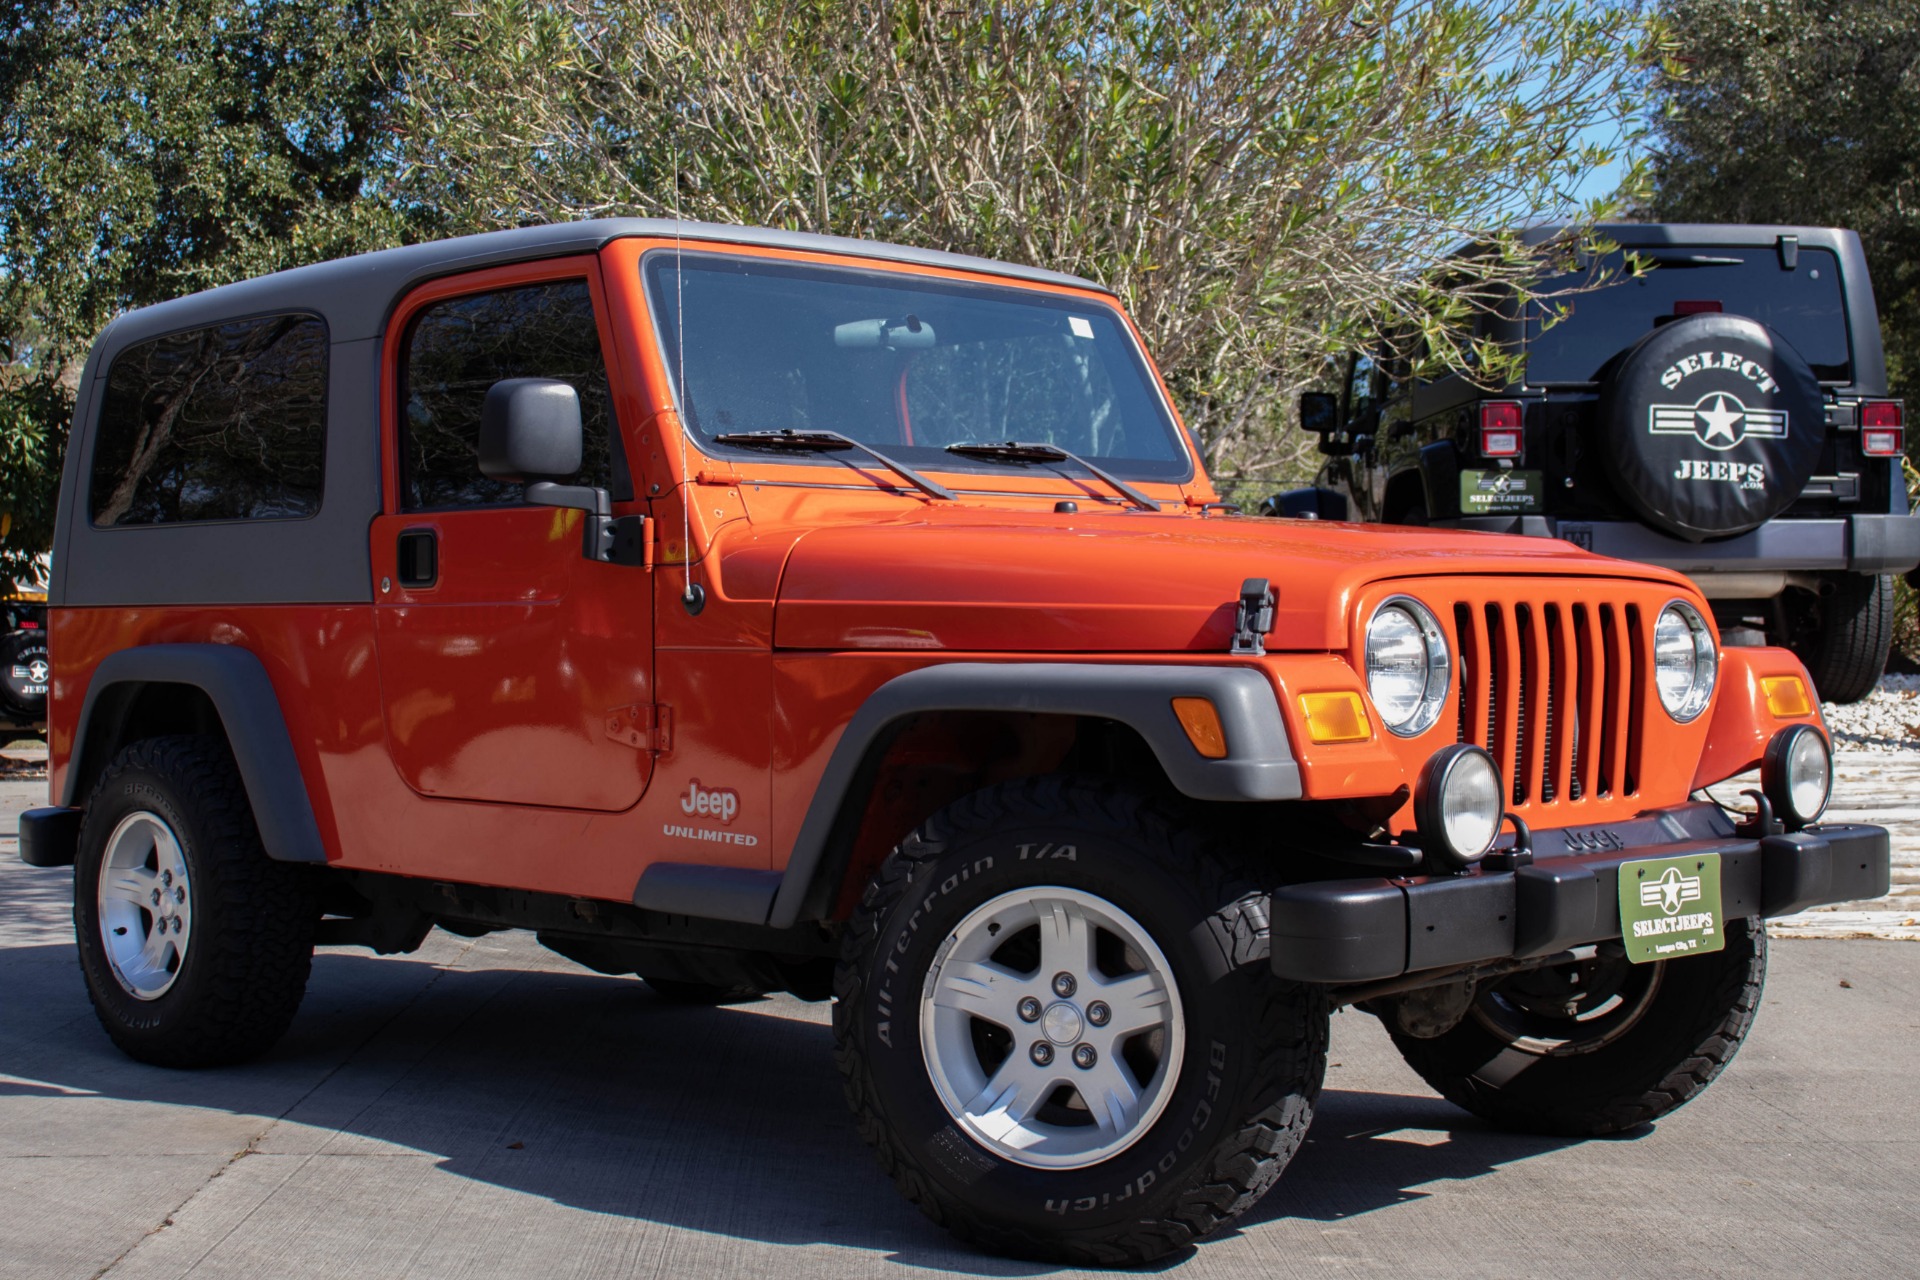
(1548, 688)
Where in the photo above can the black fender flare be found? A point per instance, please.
(1259, 764)
(242, 694)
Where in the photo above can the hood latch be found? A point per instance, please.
(1252, 618)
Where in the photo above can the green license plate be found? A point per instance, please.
(1670, 907)
(1499, 492)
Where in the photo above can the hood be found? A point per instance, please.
(986, 582)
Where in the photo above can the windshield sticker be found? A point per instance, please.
(1082, 327)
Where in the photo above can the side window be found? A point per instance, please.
(458, 348)
(223, 423)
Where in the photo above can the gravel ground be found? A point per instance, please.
(1886, 721)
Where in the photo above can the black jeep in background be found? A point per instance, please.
(1724, 413)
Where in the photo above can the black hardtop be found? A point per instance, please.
(355, 295)
(1869, 364)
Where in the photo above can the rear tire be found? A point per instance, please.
(1105, 1070)
(1648, 1039)
(1844, 635)
(195, 945)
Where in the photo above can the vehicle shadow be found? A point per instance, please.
(591, 1093)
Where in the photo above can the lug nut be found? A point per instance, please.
(1084, 1056)
(1063, 985)
(166, 878)
(156, 897)
(1042, 1053)
(1098, 1014)
(1029, 1010)
(180, 895)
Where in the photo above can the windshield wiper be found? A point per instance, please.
(1015, 451)
(830, 442)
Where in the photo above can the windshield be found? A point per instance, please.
(1804, 306)
(907, 364)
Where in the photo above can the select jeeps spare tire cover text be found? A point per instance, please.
(1711, 425)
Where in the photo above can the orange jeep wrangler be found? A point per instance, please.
(753, 611)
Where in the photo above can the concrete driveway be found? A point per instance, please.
(484, 1109)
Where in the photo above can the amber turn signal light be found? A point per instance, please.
(1787, 696)
(1338, 716)
(1202, 723)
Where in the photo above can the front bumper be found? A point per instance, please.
(1871, 544)
(1347, 931)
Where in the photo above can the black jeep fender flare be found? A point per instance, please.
(1259, 764)
(236, 683)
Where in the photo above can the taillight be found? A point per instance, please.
(1882, 431)
(1500, 429)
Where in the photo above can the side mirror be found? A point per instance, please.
(530, 431)
(1319, 412)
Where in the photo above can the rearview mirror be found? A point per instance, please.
(1319, 412)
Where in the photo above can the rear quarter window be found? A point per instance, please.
(1806, 306)
(227, 422)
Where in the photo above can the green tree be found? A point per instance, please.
(1802, 111)
(1262, 183)
(153, 148)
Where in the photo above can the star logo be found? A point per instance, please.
(38, 670)
(1670, 891)
(1717, 420)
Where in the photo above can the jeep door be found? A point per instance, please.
(507, 659)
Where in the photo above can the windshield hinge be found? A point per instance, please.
(1789, 247)
(1252, 618)
(644, 727)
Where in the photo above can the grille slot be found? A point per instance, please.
(1548, 688)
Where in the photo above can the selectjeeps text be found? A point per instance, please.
(753, 611)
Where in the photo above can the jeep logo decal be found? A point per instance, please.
(1717, 420)
(700, 802)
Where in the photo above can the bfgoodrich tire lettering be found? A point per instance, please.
(1654, 1037)
(1242, 1091)
(229, 992)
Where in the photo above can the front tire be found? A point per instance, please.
(1058, 1032)
(1598, 1045)
(195, 945)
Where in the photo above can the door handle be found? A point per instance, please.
(418, 559)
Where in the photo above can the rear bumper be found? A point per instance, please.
(1347, 931)
(1872, 544)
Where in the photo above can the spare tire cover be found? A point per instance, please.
(24, 673)
(1711, 425)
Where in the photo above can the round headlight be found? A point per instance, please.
(1796, 774)
(1408, 666)
(1684, 662)
(1457, 805)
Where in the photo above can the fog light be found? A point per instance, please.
(1457, 805)
(1796, 775)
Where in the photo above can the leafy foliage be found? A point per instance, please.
(1802, 111)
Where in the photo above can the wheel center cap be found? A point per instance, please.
(1062, 1023)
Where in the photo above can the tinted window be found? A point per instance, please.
(227, 423)
(1805, 306)
(460, 347)
(905, 363)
